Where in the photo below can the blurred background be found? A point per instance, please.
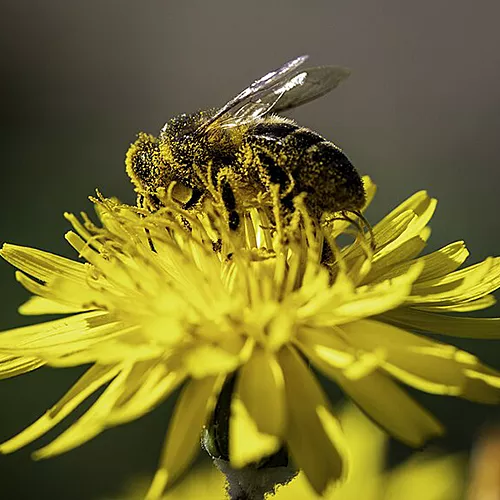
(421, 110)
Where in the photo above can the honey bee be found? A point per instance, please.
(244, 148)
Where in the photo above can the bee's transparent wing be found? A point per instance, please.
(248, 100)
(279, 90)
(318, 81)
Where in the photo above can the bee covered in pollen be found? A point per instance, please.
(244, 152)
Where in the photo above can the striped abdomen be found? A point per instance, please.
(300, 160)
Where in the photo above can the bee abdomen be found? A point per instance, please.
(287, 134)
(329, 174)
(302, 161)
(281, 148)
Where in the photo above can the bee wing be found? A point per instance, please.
(248, 100)
(317, 82)
(279, 90)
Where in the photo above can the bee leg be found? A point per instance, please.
(260, 162)
(367, 225)
(271, 171)
(195, 198)
(229, 201)
(225, 178)
(359, 223)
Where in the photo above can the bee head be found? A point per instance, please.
(144, 164)
(180, 140)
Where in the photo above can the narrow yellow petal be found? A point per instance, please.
(384, 401)
(76, 296)
(312, 438)
(384, 235)
(422, 207)
(147, 385)
(11, 366)
(391, 408)
(371, 300)
(246, 443)
(94, 378)
(418, 203)
(473, 305)
(421, 362)
(92, 422)
(82, 327)
(42, 265)
(466, 284)
(260, 387)
(370, 190)
(388, 259)
(257, 410)
(485, 375)
(443, 261)
(454, 326)
(436, 264)
(206, 360)
(324, 344)
(183, 437)
(480, 388)
(36, 306)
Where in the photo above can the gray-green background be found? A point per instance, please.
(80, 78)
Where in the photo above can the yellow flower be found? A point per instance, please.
(173, 298)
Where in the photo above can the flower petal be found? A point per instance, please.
(93, 421)
(36, 306)
(454, 326)
(61, 334)
(420, 203)
(258, 416)
(436, 264)
(260, 387)
(321, 343)
(94, 378)
(246, 443)
(420, 362)
(408, 249)
(147, 385)
(372, 300)
(75, 296)
(205, 360)
(395, 262)
(383, 400)
(466, 284)
(312, 435)
(183, 437)
(42, 265)
(473, 305)
(422, 207)
(391, 408)
(94, 336)
(11, 366)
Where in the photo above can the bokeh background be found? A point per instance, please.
(79, 79)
